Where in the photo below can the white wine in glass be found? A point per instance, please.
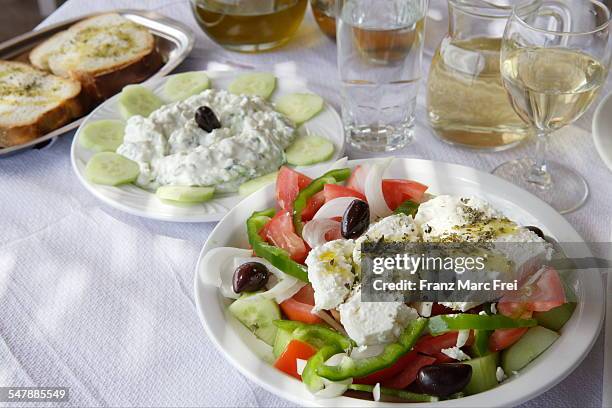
(554, 60)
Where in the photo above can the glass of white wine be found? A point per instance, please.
(555, 58)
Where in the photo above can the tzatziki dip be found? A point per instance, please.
(172, 148)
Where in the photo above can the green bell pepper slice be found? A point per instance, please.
(316, 335)
(408, 207)
(401, 394)
(276, 256)
(309, 376)
(445, 323)
(391, 353)
(301, 201)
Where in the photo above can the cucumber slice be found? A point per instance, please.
(307, 150)
(251, 186)
(111, 169)
(257, 84)
(483, 373)
(102, 135)
(282, 340)
(555, 318)
(185, 194)
(480, 347)
(257, 315)
(182, 86)
(532, 344)
(137, 100)
(299, 107)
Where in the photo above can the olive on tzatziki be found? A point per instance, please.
(211, 141)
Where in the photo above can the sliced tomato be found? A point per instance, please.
(543, 295)
(388, 373)
(357, 179)
(503, 338)
(299, 307)
(409, 373)
(332, 191)
(287, 362)
(431, 345)
(312, 206)
(397, 191)
(280, 232)
(288, 185)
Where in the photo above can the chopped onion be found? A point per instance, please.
(286, 285)
(300, 365)
(219, 272)
(376, 392)
(331, 321)
(373, 190)
(334, 208)
(462, 338)
(333, 389)
(359, 177)
(314, 231)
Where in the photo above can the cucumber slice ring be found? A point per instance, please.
(300, 107)
(111, 169)
(102, 135)
(185, 194)
(307, 150)
(182, 86)
(138, 100)
(256, 84)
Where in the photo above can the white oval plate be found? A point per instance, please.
(602, 130)
(137, 201)
(244, 351)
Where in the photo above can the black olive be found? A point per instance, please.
(250, 277)
(536, 231)
(206, 119)
(443, 380)
(356, 219)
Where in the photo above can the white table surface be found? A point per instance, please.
(102, 302)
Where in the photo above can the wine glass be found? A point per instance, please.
(555, 58)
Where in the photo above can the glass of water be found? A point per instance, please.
(380, 48)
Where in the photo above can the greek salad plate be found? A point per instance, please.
(232, 324)
(172, 133)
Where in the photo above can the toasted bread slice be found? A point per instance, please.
(34, 102)
(104, 53)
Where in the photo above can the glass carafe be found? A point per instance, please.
(466, 101)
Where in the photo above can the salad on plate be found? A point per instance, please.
(298, 288)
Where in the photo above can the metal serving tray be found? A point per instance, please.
(174, 41)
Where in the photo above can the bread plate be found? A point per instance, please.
(138, 201)
(244, 351)
(174, 41)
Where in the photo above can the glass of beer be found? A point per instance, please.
(249, 25)
(555, 58)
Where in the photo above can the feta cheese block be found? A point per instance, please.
(330, 271)
(171, 149)
(455, 353)
(371, 323)
(394, 228)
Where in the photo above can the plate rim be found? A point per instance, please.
(212, 217)
(597, 312)
(597, 132)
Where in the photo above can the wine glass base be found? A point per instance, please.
(567, 192)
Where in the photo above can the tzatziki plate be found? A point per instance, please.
(252, 357)
(135, 200)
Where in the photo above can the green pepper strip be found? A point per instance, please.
(276, 256)
(301, 201)
(405, 395)
(327, 340)
(481, 342)
(392, 352)
(444, 323)
(408, 207)
(314, 334)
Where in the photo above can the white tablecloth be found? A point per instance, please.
(101, 301)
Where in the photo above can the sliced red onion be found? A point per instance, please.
(373, 189)
(334, 208)
(314, 231)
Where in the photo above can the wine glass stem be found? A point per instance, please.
(538, 174)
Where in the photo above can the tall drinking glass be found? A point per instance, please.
(380, 48)
(554, 60)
